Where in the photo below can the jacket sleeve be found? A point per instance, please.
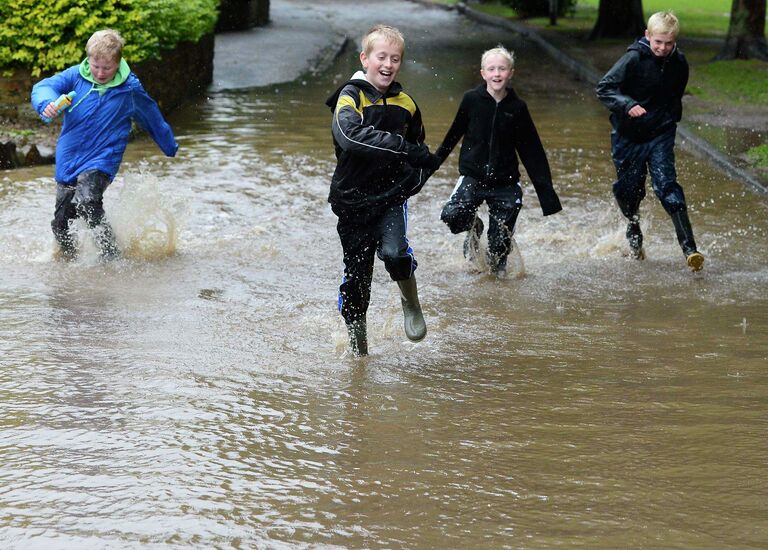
(351, 135)
(416, 132)
(455, 132)
(533, 157)
(609, 88)
(149, 117)
(49, 89)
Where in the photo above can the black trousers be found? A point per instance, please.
(84, 199)
(361, 239)
(504, 199)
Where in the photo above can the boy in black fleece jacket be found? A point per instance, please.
(644, 92)
(381, 160)
(496, 127)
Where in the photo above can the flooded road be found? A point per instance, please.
(198, 393)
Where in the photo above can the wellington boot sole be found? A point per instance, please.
(695, 261)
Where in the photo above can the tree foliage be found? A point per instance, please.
(45, 37)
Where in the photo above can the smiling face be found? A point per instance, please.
(662, 43)
(103, 69)
(497, 72)
(382, 64)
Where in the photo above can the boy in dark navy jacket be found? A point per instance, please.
(496, 128)
(95, 134)
(644, 92)
(379, 142)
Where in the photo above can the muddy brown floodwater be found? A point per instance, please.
(198, 393)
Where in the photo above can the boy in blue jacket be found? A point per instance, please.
(644, 91)
(381, 161)
(94, 135)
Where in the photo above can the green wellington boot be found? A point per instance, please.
(415, 326)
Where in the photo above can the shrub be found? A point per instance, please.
(45, 37)
(539, 8)
(758, 156)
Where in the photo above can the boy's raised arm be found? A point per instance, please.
(609, 88)
(454, 134)
(48, 89)
(150, 118)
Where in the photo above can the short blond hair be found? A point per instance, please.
(498, 50)
(663, 22)
(106, 44)
(383, 32)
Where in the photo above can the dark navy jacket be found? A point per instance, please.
(494, 135)
(655, 83)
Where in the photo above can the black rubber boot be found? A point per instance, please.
(415, 326)
(358, 337)
(67, 244)
(635, 238)
(105, 239)
(498, 266)
(472, 241)
(694, 259)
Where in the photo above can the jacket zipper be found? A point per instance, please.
(490, 141)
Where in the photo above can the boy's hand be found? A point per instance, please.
(636, 111)
(420, 157)
(50, 110)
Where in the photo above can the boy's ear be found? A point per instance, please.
(647, 34)
(364, 60)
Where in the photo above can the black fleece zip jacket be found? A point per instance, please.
(494, 135)
(641, 78)
(373, 133)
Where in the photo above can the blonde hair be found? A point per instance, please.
(106, 44)
(663, 22)
(383, 32)
(498, 50)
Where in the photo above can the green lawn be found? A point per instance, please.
(736, 81)
(700, 18)
(704, 18)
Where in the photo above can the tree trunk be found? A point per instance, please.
(746, 32)
(619, 19)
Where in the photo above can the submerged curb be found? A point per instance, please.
(583, 72)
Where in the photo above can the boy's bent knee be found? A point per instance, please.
(458, 217)
(400, 267)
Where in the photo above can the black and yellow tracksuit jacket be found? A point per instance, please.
(375, 136)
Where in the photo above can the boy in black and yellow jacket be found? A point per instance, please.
(381, 161)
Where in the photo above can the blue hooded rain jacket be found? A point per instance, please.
(96, 126)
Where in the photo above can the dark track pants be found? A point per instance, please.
(633, 161)
(504, 203)
(384, 236)
(84, 199)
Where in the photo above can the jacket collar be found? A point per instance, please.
(123, 71)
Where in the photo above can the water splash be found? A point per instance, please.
(146, 219)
